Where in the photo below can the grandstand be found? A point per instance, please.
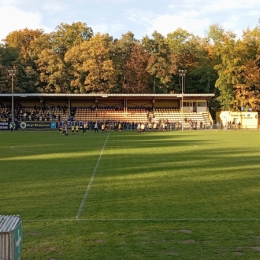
(131, 108)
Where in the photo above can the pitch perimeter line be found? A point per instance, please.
(148, 220)
(90, 182)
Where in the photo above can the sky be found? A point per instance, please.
(141, 17)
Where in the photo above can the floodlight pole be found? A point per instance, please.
(182, 74)
(12, 73)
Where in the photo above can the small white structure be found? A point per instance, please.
(10, 237)
(240, 119)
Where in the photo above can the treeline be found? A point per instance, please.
(73, 59)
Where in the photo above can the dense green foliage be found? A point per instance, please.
(163, 195)
(73, 59)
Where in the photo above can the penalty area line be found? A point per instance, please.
(90, 182)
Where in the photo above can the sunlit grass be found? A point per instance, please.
(173, 195)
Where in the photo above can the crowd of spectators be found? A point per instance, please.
(35, 113)
(61, 113)
(162, 125)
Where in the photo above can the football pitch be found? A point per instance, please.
(162, 195)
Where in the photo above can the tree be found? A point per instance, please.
(8, 58)
(227, 65)
(92, 65)
(202, 76)
(238, 70)
(190, 54)
(120, 52)
(161, 63)
(21, 42)
(247, 90)
(56, 73)
(136, 76)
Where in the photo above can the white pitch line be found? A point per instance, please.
(172, 220)
(13, 148)
(90, 182)
(148, 220)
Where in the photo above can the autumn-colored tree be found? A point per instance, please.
(120, 52)
(92, 65)
(72, 60)
(190, 54)
(184, 45)
(161, 63)
(227, 66)
(50, 68)
(56, 73)
(247, 89)
(22, 41)
(202, 76)
(136, 77)
(238, 71)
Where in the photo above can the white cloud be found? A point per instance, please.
(7, 2)
(55, 7)
(254, 13)
(104, 28)
(229, 5)
(165, 24)
(120, 16)
(234, 15)
(140, 17)
(12, 19)
(249, 2)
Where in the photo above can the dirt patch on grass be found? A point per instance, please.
(36, 234)
(190, 241)
(50, 249)
(238, 253)
(186, 231)
(100, 241)
(158, 241)
(256, 248)
(172, 253)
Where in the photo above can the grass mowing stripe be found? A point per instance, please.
(90, 182)
(163, 195)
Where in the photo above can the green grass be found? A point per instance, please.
(172, 195)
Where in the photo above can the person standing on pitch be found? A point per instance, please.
(96, 128)
(77, 128)
(72, 129)
(11, 126)
(103, 127)
(84, 127)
